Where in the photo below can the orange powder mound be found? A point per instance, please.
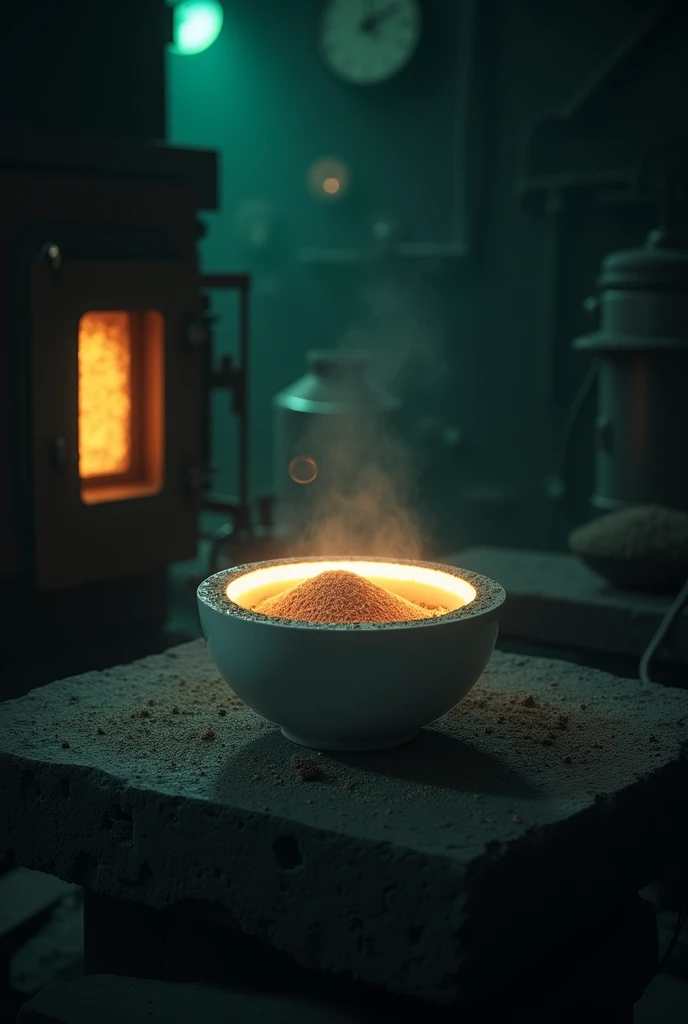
(341, 597)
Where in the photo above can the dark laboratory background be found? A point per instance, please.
(491, 206)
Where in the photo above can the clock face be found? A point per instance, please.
(369, 41)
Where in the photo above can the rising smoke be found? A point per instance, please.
(364, 501)
(399, 327)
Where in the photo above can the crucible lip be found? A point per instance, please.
(489, 596)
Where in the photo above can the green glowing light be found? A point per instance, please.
(197, 24)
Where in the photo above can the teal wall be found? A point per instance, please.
(471, 329)
(263, 97)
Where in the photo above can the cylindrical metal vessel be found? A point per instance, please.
(327, 425)
(642, 346)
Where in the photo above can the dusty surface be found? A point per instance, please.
(548, 793)
(556, 600)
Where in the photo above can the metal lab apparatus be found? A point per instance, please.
(642, 401)
(328, 426)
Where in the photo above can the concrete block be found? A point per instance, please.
(440, 869)
(26, 894)
(112, 1000)
(555, 600)
(56, 952)
(665, 1002)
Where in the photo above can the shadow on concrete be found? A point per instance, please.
(435, 759)
(432, 759)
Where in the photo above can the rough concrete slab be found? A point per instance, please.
(554, 599)
(25, 894)
(439, 869)
(56, 952)
(664, 1002)
(677, 963)
(111, 1000)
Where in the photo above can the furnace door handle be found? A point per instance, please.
(60, 454)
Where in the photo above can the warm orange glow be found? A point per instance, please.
(121, 404)
(430, 587)
(328, 177)
(303, 469)
(105, 394)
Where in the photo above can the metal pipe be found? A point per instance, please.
(243, 412)
(237, 380)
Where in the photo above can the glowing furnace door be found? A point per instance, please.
(117, 406)
(121, 404)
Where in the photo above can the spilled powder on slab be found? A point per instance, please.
(645, 531)
(342, 597)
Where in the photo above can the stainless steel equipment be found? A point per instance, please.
(327, 426)
(641, 345)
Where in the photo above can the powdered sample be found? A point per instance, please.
(648, 531)
(305, 768)
(341, 597)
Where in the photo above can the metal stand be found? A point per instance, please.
(232, 378)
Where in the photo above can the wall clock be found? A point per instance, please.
(366, 42)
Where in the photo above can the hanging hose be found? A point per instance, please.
(677, 606)
(557, 481)
(678, 928)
